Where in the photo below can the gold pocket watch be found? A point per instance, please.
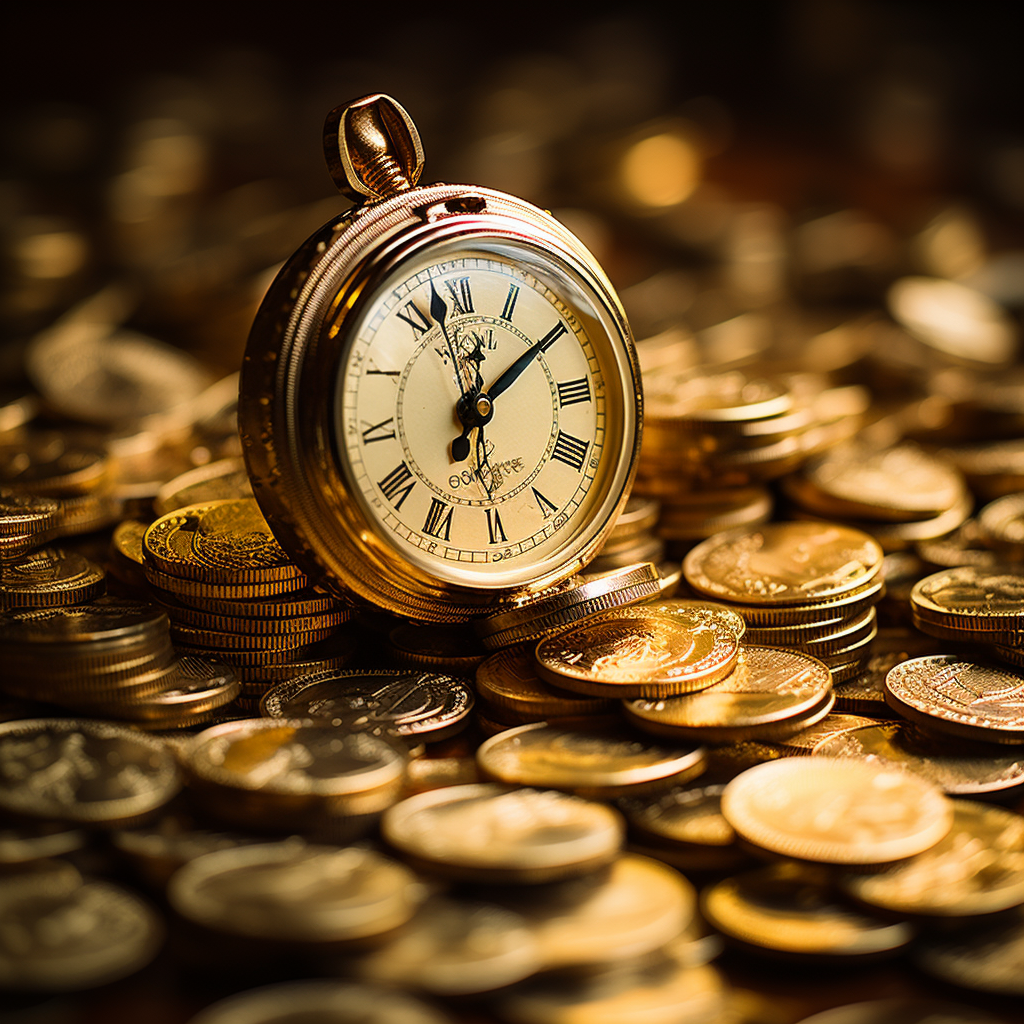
(440, 402)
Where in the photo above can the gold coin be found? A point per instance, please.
(198, 590)
(295, 604)
(255, 641)
(951, 694)
(583, 597)
(223, 479)
(642, 549)
(850, 604)
(691, 815)
(1001, 523)
(987, 958)
(836, 811)
(989, 605)
(728, 397)
(818, 638)
(742, 507)
(961, 769)
(783, 564)
(52, 465)
(602, 764)
(789, 908)
(832, 725)
(639, 516)
(509, 680)
(199, 618)
(670, 575)
(224, 542)
(634, 652)
(978, 868)
(50, 577)
(490, 833)
(452, 648)
(767, 687)
(25, 514)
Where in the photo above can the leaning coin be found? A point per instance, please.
(962, 769)
(902, 1011)
(61, 934)
(294, 892)
(89, 772)
(426, 705)
(636, 653)
(602, 764)
(789, 909)
(490, 833)
(836, 811)
(948, 693)
(311, 1001)
(978, 868)
(50, 577)
(770, 692)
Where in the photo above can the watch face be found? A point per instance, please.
(480, 412)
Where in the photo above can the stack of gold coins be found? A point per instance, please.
(899, 494)
(233, 595)
(807, 586)
(49, 578)
(24, 523)
(632, 538)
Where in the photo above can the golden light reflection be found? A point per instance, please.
(661, 170)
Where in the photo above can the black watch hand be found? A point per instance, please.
(439, 311)
(511, 374)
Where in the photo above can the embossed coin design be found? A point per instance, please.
(836, 811)
(49, 577)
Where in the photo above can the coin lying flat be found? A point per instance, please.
(404, 702)
(836, 811)
(637, 653)
(961, 769)
(25, 514)
(83, 771)
(978, 868)
(988, 958)
(50, 577)
(789, 908)
(691, 815)
(783, 563)
(62, 934)
(976, 605)
(902, 1011)
(225, 478)
(490, 833)
(946, 692)
(335, 1001)
(769, 686)
(294, 892)
(1001, 522)
(600, 763)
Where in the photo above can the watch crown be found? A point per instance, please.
(372, 147)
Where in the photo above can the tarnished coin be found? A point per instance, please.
(978, 868)
(979, 605)
(216, 481)
(987, 958)
(947, 692)
(783, 563)
(321, 1001)
(50, 577)
(633, 652)
(25, 514)
(768, 687)
(959, 769)
(227, 543)
(490, 833)
(789, 909)
(424, 705)
(836, 811)
(509, 680)
(61, 934)
(83, 771)
(294, 892)
(601, 764)
(902, 1011)
(443, 648)
(455, 947)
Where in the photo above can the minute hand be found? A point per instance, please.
(510, 375)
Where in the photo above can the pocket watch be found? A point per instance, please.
(440, 401)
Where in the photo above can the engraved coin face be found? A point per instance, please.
(768, 685)
(634, 652)
(24, 513)
(83, 771)
(402, 702)
(584, 762)
(947, 692)
(783, 563)
(292, 891)
(491, 833)
(836, 811)
(976, 598)
(978, 868)
(50, 577)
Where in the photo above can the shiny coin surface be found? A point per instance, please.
(692, 612)
(455, 947)
(50, 577)
(83, 771)
(957, 769)
(192, 687)
(984, 605)
(637, 653)
(989, 958)
(320, 1002)
(768, 686)
(788, 908)
(946, 692)
(836, 811)
(601, 763)
(690, 815)
(61, 934)
(490, 833)
(216, 481)
(425, 705)
(1001, 523)
(864, 694)
(783, 563)
(978, 868)
(25, 514)
(294, 892)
